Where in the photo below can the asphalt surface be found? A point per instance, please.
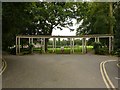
(0, 71)
(113, 73)
(54, 71)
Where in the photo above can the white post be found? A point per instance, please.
(32, 43)
(73, 45)
(70, 45)
(16, 46)
(19, 44)
(29, 41)
(110, 44)
(41, 41)
(98, 40)
(95, 39)
(83, 45)
(32, 40)
(44, 44)
(41, 46)
(53, 45)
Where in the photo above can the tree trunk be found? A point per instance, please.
(47, 39)
(111, 15)
(46, 44)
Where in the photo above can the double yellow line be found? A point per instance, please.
(105, 76)
(4, 66)
(118, 65)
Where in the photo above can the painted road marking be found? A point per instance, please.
(117, 78)
(4, 65)
(118, 65)
(1, 66)
(105, 76)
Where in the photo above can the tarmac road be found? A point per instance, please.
(113, 73)
(54, 71)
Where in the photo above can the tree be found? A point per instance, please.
(38, 18)
(117, 26)
(14, 19)
(95, 17)
(78, 42)
(49, 16)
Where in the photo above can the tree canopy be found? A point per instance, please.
(117, 26)
(95, 18)
(40, 18)
(37, 18)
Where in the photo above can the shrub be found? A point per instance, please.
(118, 52)
(30, 48)
(13, 51)
(103, 51)
(97, 46)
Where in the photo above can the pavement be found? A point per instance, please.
(0, 71)
(114, 73)
(56, 71)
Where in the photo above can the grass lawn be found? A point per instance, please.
(77, 50)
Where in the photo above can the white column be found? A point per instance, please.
(98, 40)
(32, 40)
(110, 44)
(32, 43)
(41, 44)
(70, 45)
(44, 44)
(83, 45)
(53, 45)
(73, 45)
(16, 46)
(95, 39)
(41, 41)
(19, 44)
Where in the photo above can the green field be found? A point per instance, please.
(67, 50)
